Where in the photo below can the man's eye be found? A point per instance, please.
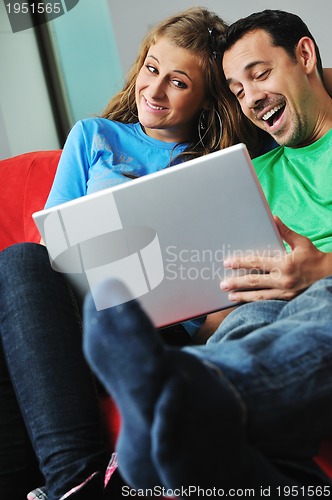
(236, 90)
(262, 75)
(239, 93)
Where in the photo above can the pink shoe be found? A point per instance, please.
(37, 494)
(91, 489)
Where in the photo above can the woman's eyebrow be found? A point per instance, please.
(175, 70)
(153, 57)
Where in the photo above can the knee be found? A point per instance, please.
(21, 257)
(21, 250)
(322, 287)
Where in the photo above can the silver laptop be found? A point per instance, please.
(165, 235)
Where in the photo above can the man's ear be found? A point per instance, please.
(306, 54)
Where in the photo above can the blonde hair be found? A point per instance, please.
(199, 31)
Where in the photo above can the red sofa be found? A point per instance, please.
(26, 181)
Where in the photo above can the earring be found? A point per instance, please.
(202, 126)
(128, 101)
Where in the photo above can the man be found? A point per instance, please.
(250, 408)
(277, 79)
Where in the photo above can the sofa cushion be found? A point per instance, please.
(26, 181)
(324, 458)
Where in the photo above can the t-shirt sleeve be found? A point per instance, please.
(71, 177)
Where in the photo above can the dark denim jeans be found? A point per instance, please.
(47, 391)
(255, 421)
(278, 355)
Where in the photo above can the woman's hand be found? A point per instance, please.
(279, 277)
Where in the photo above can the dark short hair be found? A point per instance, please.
(285, 30)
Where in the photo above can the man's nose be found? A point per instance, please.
(253, 96)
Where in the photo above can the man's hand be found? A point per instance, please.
(279, 277)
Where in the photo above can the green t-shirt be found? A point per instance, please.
(298, 186)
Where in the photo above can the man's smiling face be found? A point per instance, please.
(272, 89)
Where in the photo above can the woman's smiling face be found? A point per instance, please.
(170, 92)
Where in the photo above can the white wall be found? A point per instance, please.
(26, 120)
(88, 57)
(130, 29)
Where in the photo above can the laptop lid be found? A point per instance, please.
(165, 235)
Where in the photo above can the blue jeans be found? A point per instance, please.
(256, 420)
(278, 355)
(47, 391)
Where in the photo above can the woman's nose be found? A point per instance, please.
(157, 88)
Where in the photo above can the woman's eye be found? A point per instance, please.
(150, 68)
(179, 84)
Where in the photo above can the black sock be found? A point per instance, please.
(198, 431)
(182, 421)
(126, 354)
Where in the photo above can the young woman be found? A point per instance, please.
(172, 108)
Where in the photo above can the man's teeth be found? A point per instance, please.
(271, 112)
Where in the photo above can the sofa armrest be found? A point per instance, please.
(26, 182)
